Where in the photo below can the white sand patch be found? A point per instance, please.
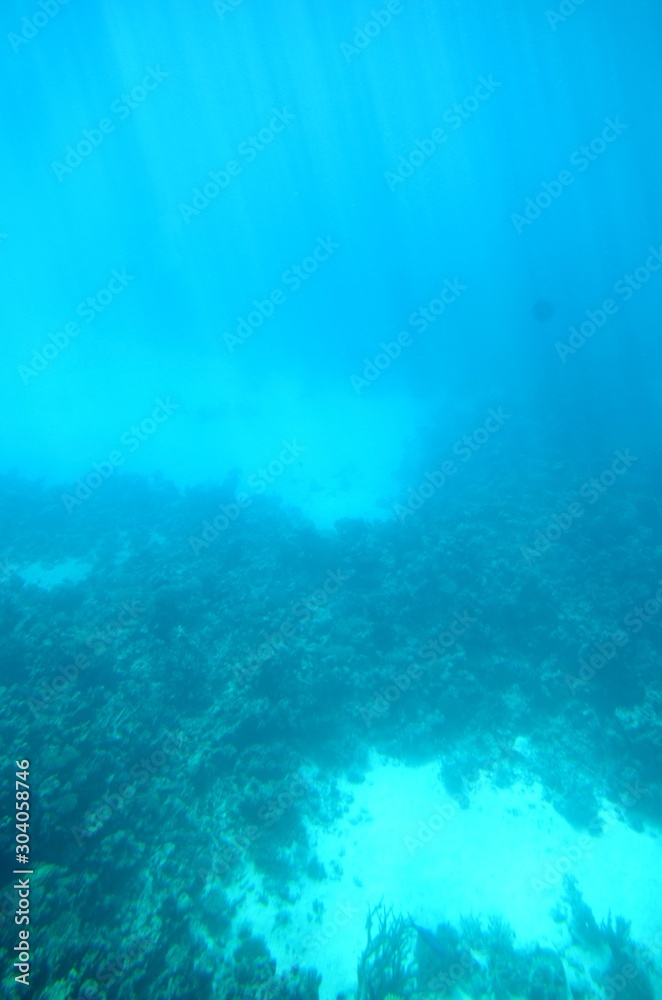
(403, 840)
(47, 577)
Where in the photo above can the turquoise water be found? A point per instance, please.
(331, 395)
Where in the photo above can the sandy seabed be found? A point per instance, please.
(403, 840)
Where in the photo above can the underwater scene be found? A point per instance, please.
(331, 500)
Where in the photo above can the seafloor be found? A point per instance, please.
(419, 756)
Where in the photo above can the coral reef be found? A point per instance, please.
(174, 700)
(384, 967)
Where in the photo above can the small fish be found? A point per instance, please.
(430, 939)
(479, 959)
